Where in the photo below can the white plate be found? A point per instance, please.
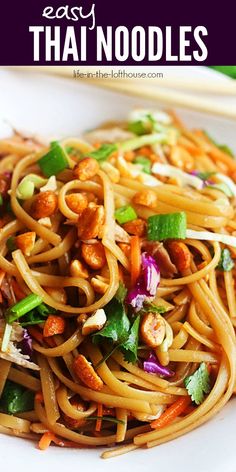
(57, 107)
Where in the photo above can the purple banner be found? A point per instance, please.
(126, 32)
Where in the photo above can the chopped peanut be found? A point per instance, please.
(91, 221)
(54, 325)
(86, 373)
(73, 423)
(26, 242)
(44, 204)
(86, 169)
(152, 329)
(180, 255)
(77, 202)
(136, 227)
(90, 197)
(77, 269)
(94, 255)
(99, 285)
(94, 322)
(129, 156)
(58, 294)
(146, 198)
(125, 248)
(181, 158)
(46, 222)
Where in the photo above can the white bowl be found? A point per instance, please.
(56, 107)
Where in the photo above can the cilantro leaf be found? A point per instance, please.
(130, 347)
(121, 293)
(117, 326)
(16, 399)
(226, 262)
(152, 308)
(198, 383)
(102, 153)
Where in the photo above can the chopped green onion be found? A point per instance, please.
(144, 162)
(54, 161)
(169, 226)
(106, 418)
(222, 187)
(25, 189)
(226, 262)
(11, 245)
(6, 337)
(102, 153)
(125, 214)
(45, 310)
(22, 307)
(138, 127)
(144, 140)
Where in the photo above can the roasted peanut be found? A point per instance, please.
(94, 255)
(77, 269)
(58, 294)
(180, 255)
(86, 169)
(73, 423)
(54, 325)
(146, 198)
(94, 322)
(91, 221)
(99, 284)
(152, 329)
(90, 197)
(136, 227)
(181, 158)
(86, 373)
(77, 202)
(26, 242)
(44, 204)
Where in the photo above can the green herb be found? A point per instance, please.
(137, 127)
(169, 226)
(222, 147)
(144, 162)
(121, 293)
(152, 308)
(45, 310)
(125, 214)
(226, 262)
(16, 399)
(22, 307)
(117, 326)
(198, 384)
(54, 161)
(228, 70)
(37, 315)
(1, 200)
(222, 187)
(106, 418)
(102, 153)
(130, 347)
(11, 245)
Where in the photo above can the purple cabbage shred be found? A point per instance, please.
(151, 365)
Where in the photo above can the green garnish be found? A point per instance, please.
(228, 70)
(226, 262)
(152, 308)
(223, 147)
(222, 187)
(118, 332)
(26, 187)
(144, 162)
(205, 175)
(22, 307)
(16, 399)
(54, 161)
(102, 153)
(138, 127)
(169, 226)
(37, 315)
(198, 384)
(11, 245)
(1, 200)
(121, 293)
(145, 140)
(106, 418)
(125, 214)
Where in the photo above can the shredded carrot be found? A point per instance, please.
(64, 443)
(46, 440)
(99, 420)
(19, 294)
(39, 397)
(53, 325)
(2, 275)
(35, 333)
(172, 412)
(135, 258)
(145, 151)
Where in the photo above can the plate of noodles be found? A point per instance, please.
(117, 275)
